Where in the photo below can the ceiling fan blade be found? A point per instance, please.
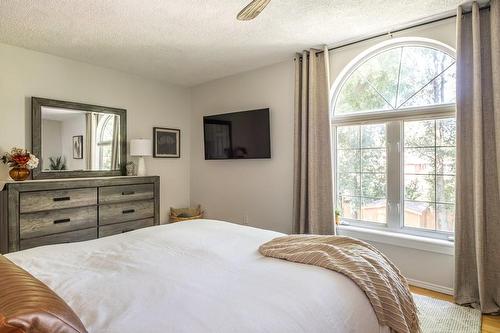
(253, 9)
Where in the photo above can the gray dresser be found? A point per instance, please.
(43, 212)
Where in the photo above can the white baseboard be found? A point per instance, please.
(430, 286)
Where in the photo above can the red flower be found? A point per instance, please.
(21, 159)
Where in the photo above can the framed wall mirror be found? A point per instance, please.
(75, 140)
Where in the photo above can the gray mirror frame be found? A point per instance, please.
(36, 137)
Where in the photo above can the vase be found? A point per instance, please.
(19, 173)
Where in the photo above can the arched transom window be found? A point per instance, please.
(397, 76)
(394, 131)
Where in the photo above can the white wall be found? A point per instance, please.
(73, 126)
(259, 189)
(427, 269)
(25, 73)
(444, 31)
(51, 136)
(262, 190)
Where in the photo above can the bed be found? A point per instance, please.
(198, 276)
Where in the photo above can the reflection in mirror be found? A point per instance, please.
(77, 140)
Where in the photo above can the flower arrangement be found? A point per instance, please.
(18, 157)
(21, 161)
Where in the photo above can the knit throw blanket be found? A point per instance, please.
(381, 281)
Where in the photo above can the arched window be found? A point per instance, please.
(393, 119)
(105, 130)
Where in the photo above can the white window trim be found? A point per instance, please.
(394, 194)
(424, 112)
(398, 239)
(394, 226)
(101, 143)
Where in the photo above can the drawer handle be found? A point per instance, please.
(62, 199)
(128, 211)
(127, 230)
(62, 221)
(128, 193)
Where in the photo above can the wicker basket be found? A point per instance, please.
(185, 214)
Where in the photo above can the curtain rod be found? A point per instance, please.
(396, 31)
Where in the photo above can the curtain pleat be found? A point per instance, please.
(115, 144)
(90, 124)
(313, 194)
(477, 230)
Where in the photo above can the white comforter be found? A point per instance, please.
(200, 276)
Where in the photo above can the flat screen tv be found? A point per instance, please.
(237, 135)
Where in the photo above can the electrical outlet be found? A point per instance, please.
(245, 219)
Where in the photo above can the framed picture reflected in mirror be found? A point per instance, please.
(78, 147)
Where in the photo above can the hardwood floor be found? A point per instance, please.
(491, 324)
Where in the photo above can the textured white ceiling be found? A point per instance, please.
(188, 42)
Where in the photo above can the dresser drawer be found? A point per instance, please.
(46, 200)
(128, 211)
(65, 237)
(111, 194)
(56, 221)
(120, 228)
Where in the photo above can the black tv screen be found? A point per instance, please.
(237, 135)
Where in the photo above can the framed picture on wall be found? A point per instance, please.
(166, 142)
(78, 147)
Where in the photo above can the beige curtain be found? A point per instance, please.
(115, 144)
(313, 196)
(477, 231)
